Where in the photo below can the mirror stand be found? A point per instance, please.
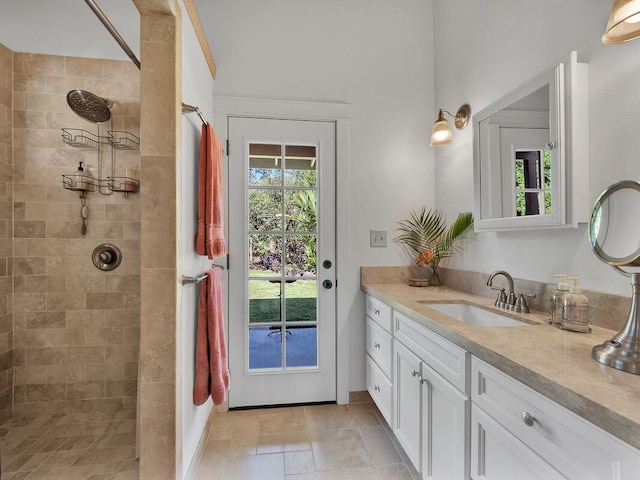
(622, 352)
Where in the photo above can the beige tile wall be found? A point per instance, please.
(76, 328)
(6, 174)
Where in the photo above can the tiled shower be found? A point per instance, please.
(69, 333)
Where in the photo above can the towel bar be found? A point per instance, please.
(187, 280)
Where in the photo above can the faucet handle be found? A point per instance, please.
(501, 299)
(521, 303)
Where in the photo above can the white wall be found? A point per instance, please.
(69, 28)
(197, 90)
(492, 48)
(377, 56)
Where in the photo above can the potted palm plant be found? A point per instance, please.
(427, 235)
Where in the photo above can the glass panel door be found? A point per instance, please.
(282, 209)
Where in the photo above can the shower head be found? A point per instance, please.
(89, 106)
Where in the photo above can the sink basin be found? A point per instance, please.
(475, 316)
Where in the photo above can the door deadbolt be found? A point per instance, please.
(106, 257)
(327, 264)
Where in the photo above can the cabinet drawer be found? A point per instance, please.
(568, 442)
(380, 389)
(380, 312)
(444, 357)
(379, 346)
(498, 455)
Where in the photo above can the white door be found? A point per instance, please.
(282, 306)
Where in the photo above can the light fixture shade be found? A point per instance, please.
(441, 133)
(624, 22)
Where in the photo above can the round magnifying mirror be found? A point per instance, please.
(614, 234)
(614, 231)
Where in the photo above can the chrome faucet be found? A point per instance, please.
(507, 301)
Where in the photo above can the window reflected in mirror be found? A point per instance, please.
(533, 182)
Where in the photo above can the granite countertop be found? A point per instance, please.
(554, 362)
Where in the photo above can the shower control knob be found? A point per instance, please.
(327, 284)
(106, 257)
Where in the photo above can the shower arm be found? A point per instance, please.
(112, 30)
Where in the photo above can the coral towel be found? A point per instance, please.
(210, 237)
(212, 374)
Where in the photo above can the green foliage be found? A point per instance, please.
(265, 215)
(427, 230)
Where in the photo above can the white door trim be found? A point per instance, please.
(225, 107)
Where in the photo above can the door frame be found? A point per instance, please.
(340, 113)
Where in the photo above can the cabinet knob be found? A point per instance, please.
(376, 311)
(376, 388)
(528, 419)
(414, 373)
(376, 345)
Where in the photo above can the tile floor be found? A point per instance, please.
(322, 442)
(85, 446)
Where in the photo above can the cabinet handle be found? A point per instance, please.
(376, 345)
(376, 311)
(528, 419)
(425, 381)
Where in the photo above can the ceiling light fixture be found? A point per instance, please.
(624, 22)
(441, 133)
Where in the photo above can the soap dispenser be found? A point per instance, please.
(78, 181)
(575, 315)
(557, 300)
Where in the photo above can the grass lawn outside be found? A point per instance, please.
(264, 299)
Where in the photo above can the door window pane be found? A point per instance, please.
(264, 301)
(301, 210)
(300, 166)
(265, 347)
(302, 346)
(265, 165)
(265, 210)
(301, 300)
(265, 254)
(301, 255)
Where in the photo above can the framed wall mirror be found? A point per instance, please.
(530, 155)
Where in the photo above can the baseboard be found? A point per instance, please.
(195, 462)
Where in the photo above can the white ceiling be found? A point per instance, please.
(68, 27)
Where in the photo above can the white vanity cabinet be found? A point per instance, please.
(431, 411)
(518, 433)
(379, 343)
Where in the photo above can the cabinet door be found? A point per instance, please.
(445, 429)
(498, 455)
(407, 390)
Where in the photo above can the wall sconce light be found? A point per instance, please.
(441, 133)
(624, 22)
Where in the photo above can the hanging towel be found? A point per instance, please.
(212, 374)
(210, 237)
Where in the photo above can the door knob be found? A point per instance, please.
(327, 284)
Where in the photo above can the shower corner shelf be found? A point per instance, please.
(79, 138)
(123, 140)
(118, 140)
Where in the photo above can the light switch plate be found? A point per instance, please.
(377, 238)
